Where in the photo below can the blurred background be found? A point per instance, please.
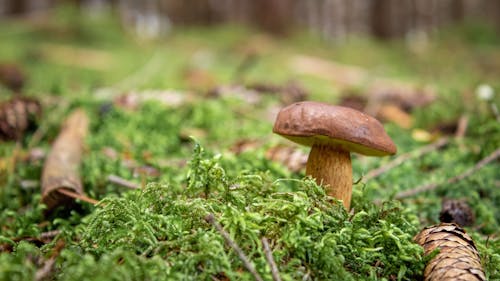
(332, 19)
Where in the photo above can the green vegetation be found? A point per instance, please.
(159, 232)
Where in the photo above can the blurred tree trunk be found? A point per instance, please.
(457, 10)
(381, 18)
(332, 19)
(273, 15)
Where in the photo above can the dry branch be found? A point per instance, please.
(269, 257)
(46, 270)
(61, 181)
(404, 157)
(431, 186)
(122, 182)
(458, 257)
(246, 262)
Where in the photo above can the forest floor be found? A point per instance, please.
(186, 123)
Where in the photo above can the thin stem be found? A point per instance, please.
(404, 157)
(428, 187)
(122, 182)
(269, 257)
(75, 195)
(246, 262)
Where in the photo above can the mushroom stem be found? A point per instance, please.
(331, 167)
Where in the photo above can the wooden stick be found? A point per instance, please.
(122, 182)
(46, 270)
(61, 168)
(246, 262)
(404, 157)
(78, 196)
(427, 187)
(269, 257)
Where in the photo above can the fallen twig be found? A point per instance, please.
(427, 187)
(122, 182)
(246, 262)
(46, 269)
(403, 157)
(49, 234)
(78, 196)
(269, 257)
(462, 124)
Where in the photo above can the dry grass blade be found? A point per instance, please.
(458, 257)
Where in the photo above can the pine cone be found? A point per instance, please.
(456, 211)
(16, 116)
(12, 77)
(458, 258)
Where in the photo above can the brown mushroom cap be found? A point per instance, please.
(310, 123)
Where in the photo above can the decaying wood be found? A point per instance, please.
(431, 186)
(61, 181)
(458, 257)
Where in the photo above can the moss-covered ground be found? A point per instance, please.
(159, 231)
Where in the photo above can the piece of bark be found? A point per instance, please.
(458, 257)
(61, 169)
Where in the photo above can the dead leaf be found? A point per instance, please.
(186, 133)
(171, 98)
(288, 93)
(247, 95)
(293, 158)
(394, 114)
(245, 145)
(199, 80)
(147, 171)
(421, 135)
(354, 101)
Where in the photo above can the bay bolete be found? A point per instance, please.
(333, 132)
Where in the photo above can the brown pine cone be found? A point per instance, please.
(16, 116)
(458, 258)
(457, 211)
(12, 76)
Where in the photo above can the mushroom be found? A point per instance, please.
(333, 132)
